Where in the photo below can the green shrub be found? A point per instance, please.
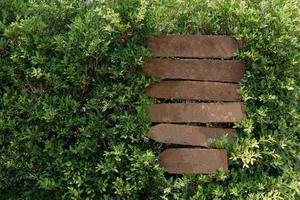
(73, 116)
(265, 161)
(73, 113)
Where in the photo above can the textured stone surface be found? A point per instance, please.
(193, 160)
(187, 135)
(197, 112)
(196, 46)
(194, 90)
(210, 70)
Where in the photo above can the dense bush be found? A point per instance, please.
(73, 114)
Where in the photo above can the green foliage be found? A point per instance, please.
(265, 160)
(73, 113)
(73, 110)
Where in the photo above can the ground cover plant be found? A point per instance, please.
(73, 113)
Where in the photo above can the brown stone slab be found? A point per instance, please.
(188, 135)
(206, 70)
(193, 46)
(193, 160)
(197, 112)
(194, 90)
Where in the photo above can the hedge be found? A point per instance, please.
(73, 113)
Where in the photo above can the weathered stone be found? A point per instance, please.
(191, 69)
(194, 90)
(197, 112)
(193, 160)
(188, 135)
(195, 46)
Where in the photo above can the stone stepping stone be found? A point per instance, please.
(193, 160)
(197, 112)
(193, 46)
(183, 62)
(188, 135)
(194, 90)
(194, 69)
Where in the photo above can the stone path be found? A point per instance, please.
(194, 69)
